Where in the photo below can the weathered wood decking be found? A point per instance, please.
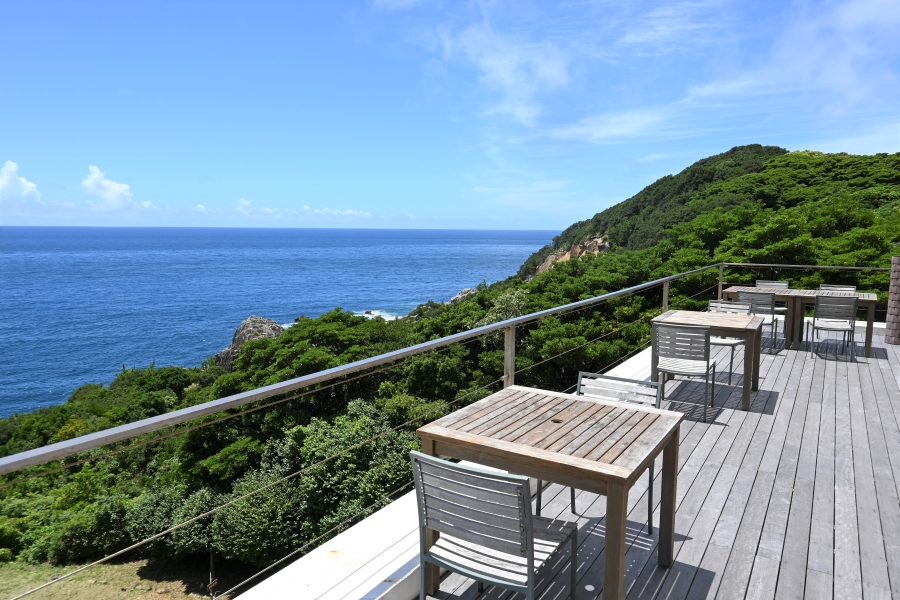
(797, 498)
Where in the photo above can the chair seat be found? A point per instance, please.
(829, 325)
(549, 535)
(767, 319)
(721, 341)
(684, 366)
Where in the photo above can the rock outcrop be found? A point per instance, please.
(592, 246)
(253, 328)
(463, 294)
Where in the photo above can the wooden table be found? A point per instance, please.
(748, 327)
(587, 443)
(797, 301)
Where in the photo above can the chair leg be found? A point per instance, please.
(537, 504)
(572, 491)
(422, 568)
(705, 395)
(731, 365)
(480, 587)
(573, 583)
(650, 501)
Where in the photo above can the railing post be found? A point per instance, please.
(665, 296)
(721, 272)
(509, 356)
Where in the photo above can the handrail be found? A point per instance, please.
(820, 267)
(66, 448)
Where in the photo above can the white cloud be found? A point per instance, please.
(13, 187)
(675, 26)
(847, 51)
(534, 194)
(328, 212)
(243, 207)
(611, 127)
(112, 194)
(201, 209)
(519, 70)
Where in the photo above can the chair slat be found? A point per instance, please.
(830, 287)
(475, 480)
(464, 489)
(449, 495)
(767, 283)
(486, 516)
(457, 528)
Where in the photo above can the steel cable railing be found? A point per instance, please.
(216, 421)
(102, 438)
(250, 494)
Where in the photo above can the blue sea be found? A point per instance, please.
(78, 303)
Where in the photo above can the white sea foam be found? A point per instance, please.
(371, 314)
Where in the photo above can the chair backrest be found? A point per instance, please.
(489, 509)
(735, 308)
(619, 389)
(765, 283)
(761, 303)
(681, 341)
(837, 288)
(840, 308)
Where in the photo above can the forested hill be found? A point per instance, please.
(751, 204)
(752, 178)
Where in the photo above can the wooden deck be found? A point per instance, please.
(796, 498)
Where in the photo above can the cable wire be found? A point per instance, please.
(247, 495)
(311, 542)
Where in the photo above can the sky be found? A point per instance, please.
(416, 114)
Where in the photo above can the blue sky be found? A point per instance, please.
(422, 114)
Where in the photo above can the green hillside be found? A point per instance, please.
(748, 178)
(753, 203)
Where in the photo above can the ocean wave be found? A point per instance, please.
(371, 314)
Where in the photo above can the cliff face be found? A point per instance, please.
(592, 246)
(253, 328)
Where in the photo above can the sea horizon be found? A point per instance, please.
(82, 302)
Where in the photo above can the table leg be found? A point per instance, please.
(799, 322)
(750, 351)
(870, 324)
(789, 324)
(432, 572)
(667, 503)
(616, 525)
(757, 347)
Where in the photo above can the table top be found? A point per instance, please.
(789, 292)
(715, 320)
(576, 436)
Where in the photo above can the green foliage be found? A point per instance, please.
(750, 204)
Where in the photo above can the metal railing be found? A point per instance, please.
(91, 441)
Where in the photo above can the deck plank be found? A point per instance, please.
(797, 498)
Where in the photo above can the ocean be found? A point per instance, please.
(78, 303)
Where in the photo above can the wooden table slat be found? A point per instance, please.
(479, 410)
(575, 427)
(571, 414)
(504, 415)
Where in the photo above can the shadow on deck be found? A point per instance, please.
(797, 497)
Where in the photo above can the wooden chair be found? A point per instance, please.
(835, 314)
(684, 350)
(827, 287)
(736, 308)
(616, 389)
(761, 304)
(784, 285)
(487, 530)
